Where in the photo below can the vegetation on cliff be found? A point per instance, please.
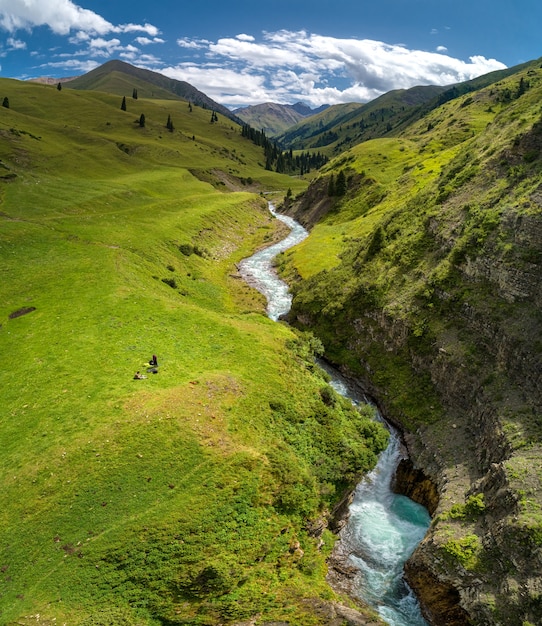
(423, 281)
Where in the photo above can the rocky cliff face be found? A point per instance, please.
(477, 467)
(459, 369)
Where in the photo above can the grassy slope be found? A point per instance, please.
(342, 127)
(176, 499)
(401, 255)
(120, 78)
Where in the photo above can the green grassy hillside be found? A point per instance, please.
(423, 278)
(120, 78)
(185, 497)
(344, 126)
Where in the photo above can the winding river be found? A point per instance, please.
(383, 528)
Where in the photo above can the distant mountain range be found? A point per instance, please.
(329, 129)
(47, 80)
(342, 126)
(274, 118)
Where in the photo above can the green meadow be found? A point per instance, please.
(185, 497)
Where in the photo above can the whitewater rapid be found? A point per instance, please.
(383, 528)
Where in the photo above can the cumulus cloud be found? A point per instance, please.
(145, 41)
(286, 66)
(62, 17)
(224, 85)
(79, 66)
(151, 30)
(15, 44)
(93, 36)
(193, 44)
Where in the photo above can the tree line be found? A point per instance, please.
(283, 161)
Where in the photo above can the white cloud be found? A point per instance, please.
(286, 66)
(62, 17)
(226, 86)
(148, 61)
(145, 41)
(109, 44)
(79, 37)
(15, 44)
(442, 49)
(73, 65)
(151, 30)
(193, 44)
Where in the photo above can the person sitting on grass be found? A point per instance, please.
(138, 376)
(154, 360)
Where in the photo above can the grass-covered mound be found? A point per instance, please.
(185, 497)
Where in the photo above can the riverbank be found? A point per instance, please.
(369, 568)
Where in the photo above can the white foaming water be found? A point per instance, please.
(382, 532)
(258, 271)
(383, 528)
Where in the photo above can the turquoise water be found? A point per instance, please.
(383, 528)
(382, 531)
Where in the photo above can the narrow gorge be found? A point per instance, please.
(378, 530)
(433, 302)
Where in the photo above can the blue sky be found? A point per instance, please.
(247, 52)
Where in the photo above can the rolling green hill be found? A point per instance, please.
(422, 277)
(187, 497)
(121, 78)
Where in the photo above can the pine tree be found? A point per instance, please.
(142, 120)
(190, 107)
(169, 124)
(331, 186)
(123, 104)
(134, 94)
(59, 86)
(522, 87)
(340, 184)
(5, 102)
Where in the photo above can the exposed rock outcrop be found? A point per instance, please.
(478, 443)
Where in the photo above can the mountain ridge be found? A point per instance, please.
(384, 116)
(274, 118)
(119, 77)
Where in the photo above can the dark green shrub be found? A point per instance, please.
(171, 282)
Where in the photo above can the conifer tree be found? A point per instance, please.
(190, 107)
(59, 86)
(134, 94)
(340, 184)
(169, 124)
(331, 186)
(5, 102)
(142, 120)
(123, 104)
